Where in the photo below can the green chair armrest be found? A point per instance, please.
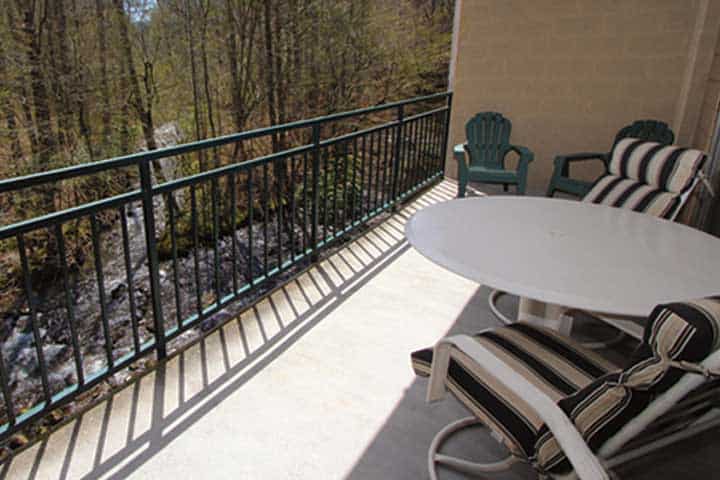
(562, 162)
(525, 155)
(460, 154)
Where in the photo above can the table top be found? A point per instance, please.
(575, 254)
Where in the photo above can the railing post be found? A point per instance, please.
(152, 254)
(315, 192)
(397, 155)
(447, 130)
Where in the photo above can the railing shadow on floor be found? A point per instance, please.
(158, 407)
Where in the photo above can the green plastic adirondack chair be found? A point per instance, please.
(649, 130)
(482, 157)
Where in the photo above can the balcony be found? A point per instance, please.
(312, 381)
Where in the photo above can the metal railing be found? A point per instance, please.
(207, 238)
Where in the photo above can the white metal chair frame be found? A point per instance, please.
(586, 464)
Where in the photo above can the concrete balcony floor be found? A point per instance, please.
(312, 383)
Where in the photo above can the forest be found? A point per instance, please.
(83, 80)
(87, 80)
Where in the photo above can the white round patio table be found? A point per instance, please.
(568, 253)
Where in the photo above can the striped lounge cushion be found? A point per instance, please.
(647, 177)
(687, 331)
(550, 361)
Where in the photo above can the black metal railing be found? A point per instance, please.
(188, 246)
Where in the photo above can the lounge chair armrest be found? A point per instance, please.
(587, 466)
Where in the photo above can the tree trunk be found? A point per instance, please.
(104, 84)
(270, 72)
(46, 141)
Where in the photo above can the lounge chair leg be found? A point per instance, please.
(492, 302)
(458, 464)
(619, 337)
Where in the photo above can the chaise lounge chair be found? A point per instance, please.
(566, 411)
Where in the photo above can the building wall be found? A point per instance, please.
(709, 107)
(570, 73)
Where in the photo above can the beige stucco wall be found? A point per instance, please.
(570, 73)
(709, 108)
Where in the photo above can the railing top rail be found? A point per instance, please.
(18, 183)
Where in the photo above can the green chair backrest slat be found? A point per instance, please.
(488, 137)
(648, 130)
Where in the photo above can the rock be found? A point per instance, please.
(23, 323)
(26, 366)
(117, 289)
(17, 441)
(16, 341)
(55, 417)
(54, 352)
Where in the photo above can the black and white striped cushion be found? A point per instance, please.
(647, 177)
(550, 361)
(666, 167)
(687, 331)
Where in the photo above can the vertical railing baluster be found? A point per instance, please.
(405, 157)
(280, 207)
(152, 254)
(446, 131)
(378, 171)
(27, 281)
(371, 153)
(427, 145)
(336, 184)
(326, 172)
(315, 191)
(345, 147)
(173, 247)
(433, 144)
(266, 209)
(305, 234)
(216, 237)
(430, 145)
(410, 156)
(439, 122)
(196, 247)
(250, 222)
(385, 173)
(398, 153)
(436, 144)
(291, 223)
(129, 278)
(7, 396)
(69, 304)
(421, 150)
(353, 182)
(100, 276)
(233, 227)
(417, 161)
(363, 165)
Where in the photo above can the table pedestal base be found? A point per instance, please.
(544, 314)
